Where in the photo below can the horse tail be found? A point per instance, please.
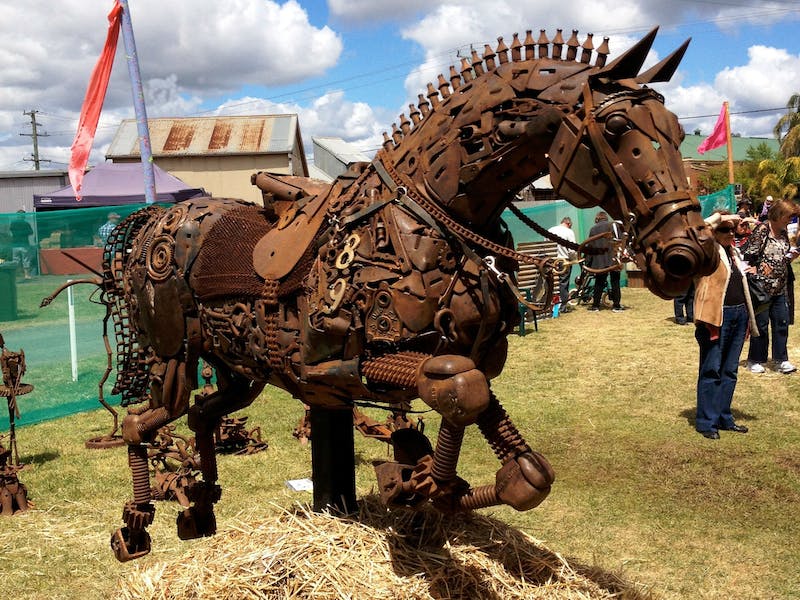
(132, 370)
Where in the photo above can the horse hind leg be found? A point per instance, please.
(232, 394)
(169, 399)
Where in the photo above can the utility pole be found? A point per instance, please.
(35, 135)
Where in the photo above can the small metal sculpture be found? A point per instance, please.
(175, 465)
(13, 493)
(396, 281)
(366, 426)
(233, 437)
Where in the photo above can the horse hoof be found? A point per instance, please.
(193, 524)
(127, 547)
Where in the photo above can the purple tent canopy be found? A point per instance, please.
(114, 184)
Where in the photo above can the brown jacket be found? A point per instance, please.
(709, 293)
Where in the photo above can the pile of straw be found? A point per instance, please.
(395, 555)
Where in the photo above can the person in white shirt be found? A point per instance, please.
(564, 231)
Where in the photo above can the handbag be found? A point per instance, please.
(759, 296)
(758, 293)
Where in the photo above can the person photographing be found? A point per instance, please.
(724, 316)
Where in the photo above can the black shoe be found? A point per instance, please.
(710, 434)
(736, 428)
(594, 309)
(680, 320)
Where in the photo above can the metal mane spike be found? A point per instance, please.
(444, 87)
(664, 70)
(544, 44)
(516, 49)
(405, 124)
(455, 78)
(477, 63)
(387, 142)
(423, 104)
(530, 45)
(627, 65)
(488, 57)
(433, 95)
(572, 45)
(588, 46)
(602, 53)
(466, 71)
(397, 135)
(414, 113)
(502, 50)
(558, 44)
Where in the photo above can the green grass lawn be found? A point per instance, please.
(43, 333)
(608, 398)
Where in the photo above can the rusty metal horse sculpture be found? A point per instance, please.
(395, 282)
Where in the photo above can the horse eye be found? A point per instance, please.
(617, 125)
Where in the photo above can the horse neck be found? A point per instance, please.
(471, 178)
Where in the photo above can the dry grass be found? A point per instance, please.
(404, 554)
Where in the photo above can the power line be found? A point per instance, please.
(738, 112)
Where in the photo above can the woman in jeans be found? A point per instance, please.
(723, 316)
(768, 250)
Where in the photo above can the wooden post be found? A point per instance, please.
(728, 140)
(333, 464)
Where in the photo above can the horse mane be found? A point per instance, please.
(560, 65)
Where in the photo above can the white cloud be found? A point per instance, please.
(370, 11)
(768, 79)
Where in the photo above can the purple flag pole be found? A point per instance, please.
(138, 104)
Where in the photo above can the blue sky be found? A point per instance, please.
(349, 67)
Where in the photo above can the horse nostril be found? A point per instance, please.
(680, 262)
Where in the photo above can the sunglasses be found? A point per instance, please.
(724, 229)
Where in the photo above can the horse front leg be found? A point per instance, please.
(169, 399)
(233, 393)
(525, 478)
(457, 390)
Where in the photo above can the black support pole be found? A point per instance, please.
(333, 465)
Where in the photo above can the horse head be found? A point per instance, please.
(606, 139)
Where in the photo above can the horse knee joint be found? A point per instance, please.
(138, 428)
(453, 387)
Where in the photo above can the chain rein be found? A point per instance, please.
(455, 227)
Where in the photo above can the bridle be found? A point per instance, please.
(611, 165)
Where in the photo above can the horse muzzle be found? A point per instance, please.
(682, 248)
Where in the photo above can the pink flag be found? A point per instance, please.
(719, 136)
(93, 102)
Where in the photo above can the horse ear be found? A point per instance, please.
(628, 64)
(665, 69)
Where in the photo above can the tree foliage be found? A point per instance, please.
(787, 130)
(780, 177)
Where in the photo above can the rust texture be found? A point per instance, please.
(396, 281)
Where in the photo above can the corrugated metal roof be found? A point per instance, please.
(739, 145)
(203, 136)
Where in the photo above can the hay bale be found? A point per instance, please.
(396, 555)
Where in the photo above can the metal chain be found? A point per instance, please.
(459, 230)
